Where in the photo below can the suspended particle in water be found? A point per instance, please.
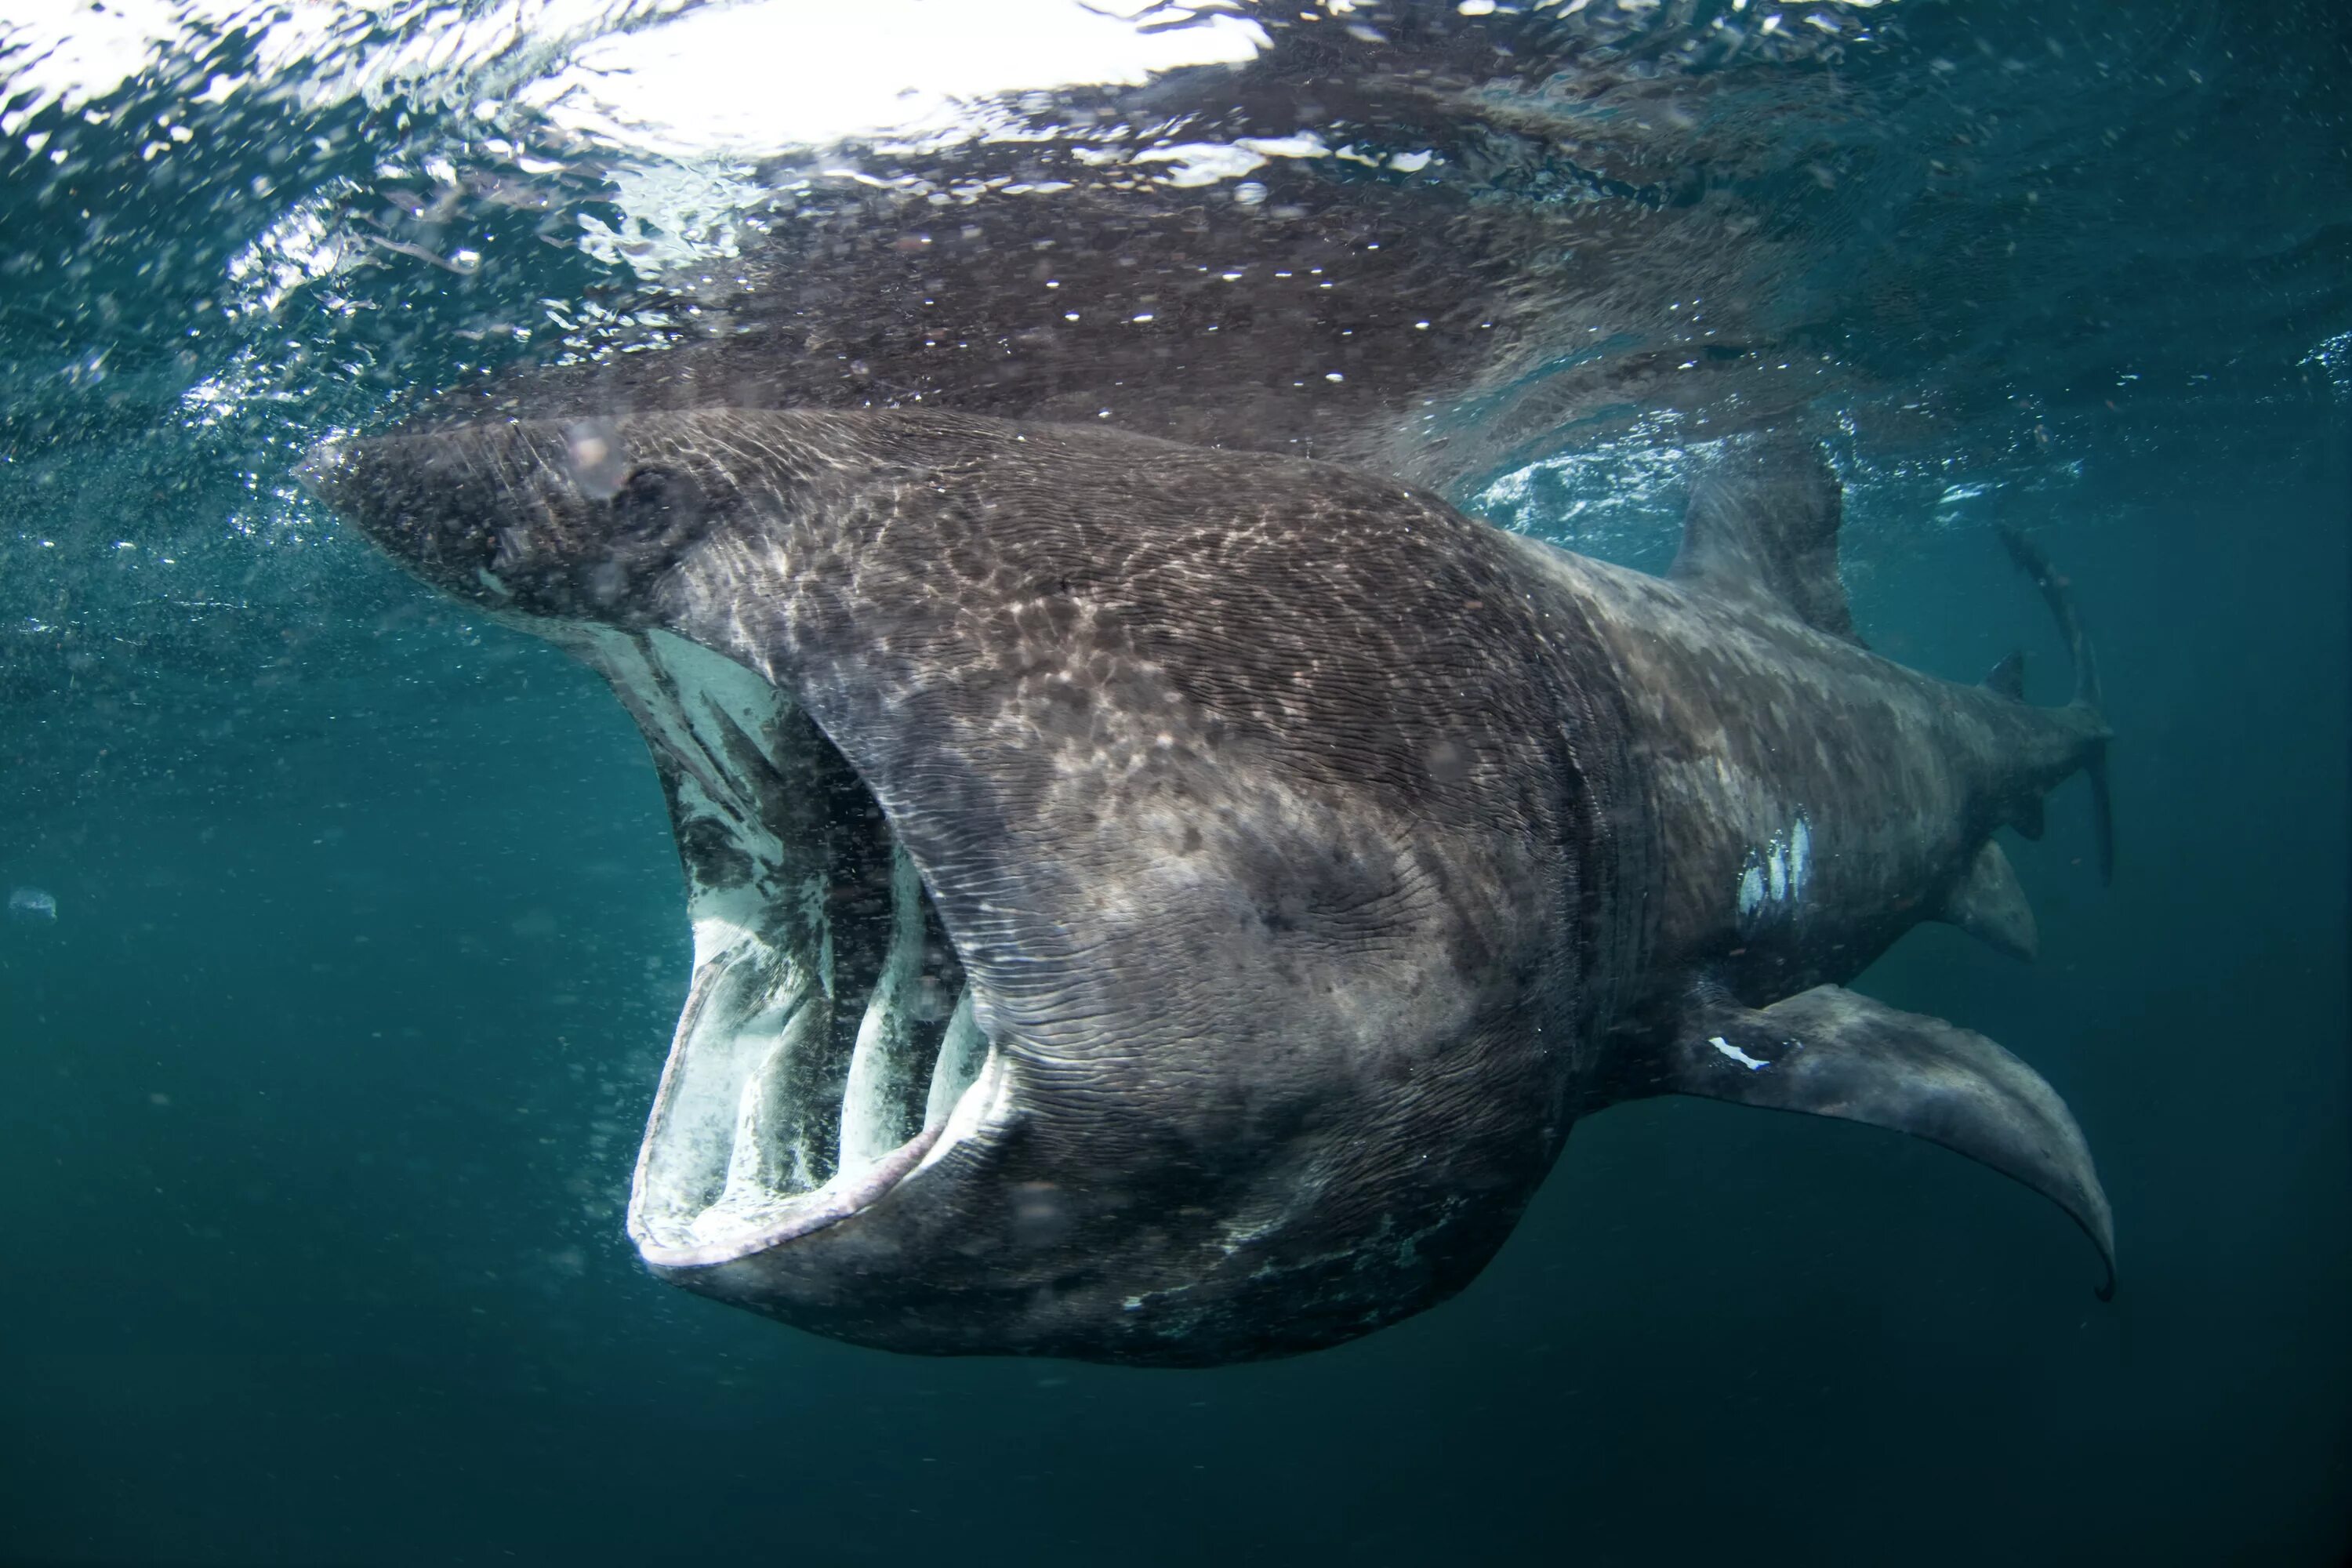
(32, 904)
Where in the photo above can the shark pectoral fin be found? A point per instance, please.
(1828, 1052)
(1988, 904)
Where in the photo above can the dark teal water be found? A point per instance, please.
(319, 1094)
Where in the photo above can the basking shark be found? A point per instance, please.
(1162, 904)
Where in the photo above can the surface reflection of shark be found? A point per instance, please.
(1442, 253)
(1169, 905)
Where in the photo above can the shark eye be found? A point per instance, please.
(653, 502)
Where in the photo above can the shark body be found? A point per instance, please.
(1170, 905)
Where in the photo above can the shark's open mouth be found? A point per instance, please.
(828, 1039)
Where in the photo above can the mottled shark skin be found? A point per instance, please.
(1166, 905)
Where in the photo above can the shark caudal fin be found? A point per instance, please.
(1829, 1052)
(2007, 678)
(2056, 592)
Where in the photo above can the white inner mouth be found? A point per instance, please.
(828, 1040)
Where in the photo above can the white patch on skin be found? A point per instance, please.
(1735, 1054)
(1774, 881)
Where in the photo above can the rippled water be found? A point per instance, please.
(1995, 246)
(321, 1065)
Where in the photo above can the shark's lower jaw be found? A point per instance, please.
(828, 1042)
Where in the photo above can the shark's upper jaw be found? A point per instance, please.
(828, 1046)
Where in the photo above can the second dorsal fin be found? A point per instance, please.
(2008, 677)
(1763, 523)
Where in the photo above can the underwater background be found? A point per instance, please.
(350, 937)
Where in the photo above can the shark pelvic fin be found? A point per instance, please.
(1762, 524)
(2008, 677)
(1988, 904)
(1829, 1052)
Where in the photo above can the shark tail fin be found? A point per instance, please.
(1830, 1052)
(2103, 809)
(2057, 593)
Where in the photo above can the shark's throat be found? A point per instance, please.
(828, 1035)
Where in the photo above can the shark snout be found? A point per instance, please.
(325, 472)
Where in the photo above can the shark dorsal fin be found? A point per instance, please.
(2008, 677)
(1762, 524)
